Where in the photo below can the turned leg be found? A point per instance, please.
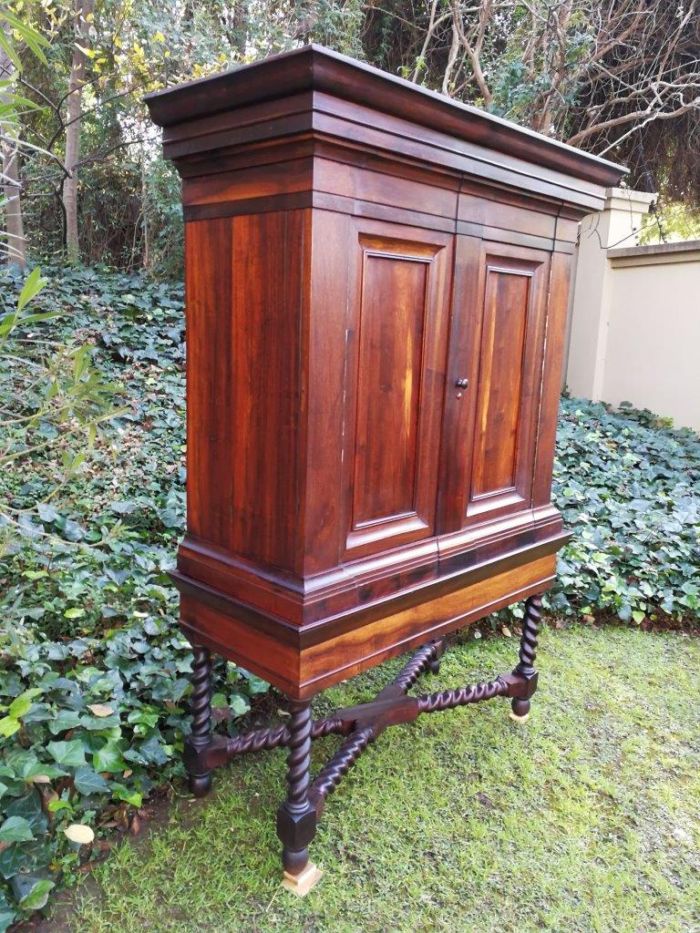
(526, 665)
(200, 736)
(296, 818)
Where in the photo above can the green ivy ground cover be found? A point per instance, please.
(93, 674)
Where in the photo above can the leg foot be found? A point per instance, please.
(296, 818)
(200, 706)
(302, 883)
(520, 706)
(199, 784)
(520, 711)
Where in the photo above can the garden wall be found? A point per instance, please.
(635, 323)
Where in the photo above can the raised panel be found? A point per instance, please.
(499, 390)
(499, 310)
(392, 322)
(396, 362)
(508, 387)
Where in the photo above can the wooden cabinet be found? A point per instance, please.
(376, 291)
(377, 282)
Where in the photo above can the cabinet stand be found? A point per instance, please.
(362, 724)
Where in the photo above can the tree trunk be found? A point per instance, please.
(14, 226)
(81, 8)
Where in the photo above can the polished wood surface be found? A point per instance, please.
(336, 83)
(301, 667)
(376, 287)
(395, 343)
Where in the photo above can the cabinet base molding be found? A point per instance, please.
(361, 725)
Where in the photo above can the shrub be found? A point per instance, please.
(628, 486)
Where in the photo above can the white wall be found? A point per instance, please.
(635, 324)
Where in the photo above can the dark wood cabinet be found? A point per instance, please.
(376, 286)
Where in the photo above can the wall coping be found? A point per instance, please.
(625, 199)
(655, 253)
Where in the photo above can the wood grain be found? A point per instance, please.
(376, 289)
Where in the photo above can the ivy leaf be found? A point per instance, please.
(133, 797)
(38, 894)
(47, 513)
(71, 754)
(23, 703)
(29, 808)
(239, 704)
(7, 916)
(63, 720)
(16, 829)
(12, 861)
(109, 758)
(90, 782)
(75, 612)
(8, 726)
(30, 767)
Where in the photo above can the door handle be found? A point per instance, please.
(462, 383)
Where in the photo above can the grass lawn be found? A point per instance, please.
(587, 818)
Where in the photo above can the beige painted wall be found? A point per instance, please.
(635, 320)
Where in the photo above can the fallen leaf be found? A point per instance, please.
(507, 632)
(80, 833)
(100, 709)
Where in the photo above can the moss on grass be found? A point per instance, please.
(588, 818)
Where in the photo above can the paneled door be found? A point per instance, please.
(494, 381)
(396, 344)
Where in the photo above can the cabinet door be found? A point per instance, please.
(496, 343)
(396, 344)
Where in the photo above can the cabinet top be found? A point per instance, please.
(315, 68)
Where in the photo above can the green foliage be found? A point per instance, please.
(670, 223)
(52, 397)
(93, 671)
(337, 24)
(628, 486)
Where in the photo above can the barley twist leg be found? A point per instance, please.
(528, 653)
(296, 818)
(200, 707)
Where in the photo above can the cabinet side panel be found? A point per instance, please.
(267, 300)
(560, 279)
(327, 372)
(245, 295)
(209, 429)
